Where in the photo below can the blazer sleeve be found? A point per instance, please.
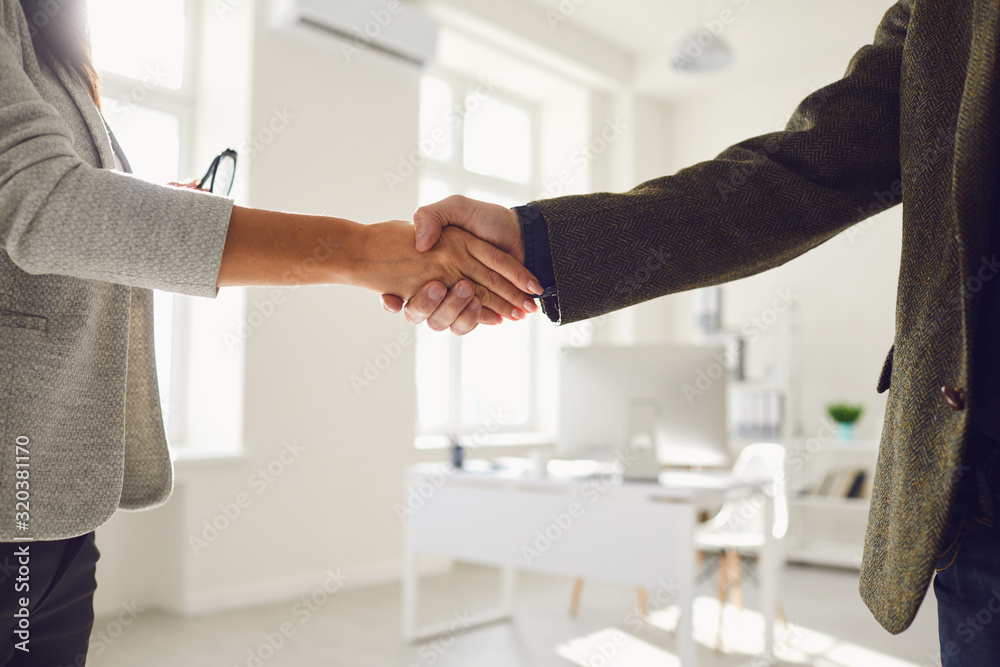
(757, 205)
(61, 215)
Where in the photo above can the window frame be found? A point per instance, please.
(182, 102)
(460, 179)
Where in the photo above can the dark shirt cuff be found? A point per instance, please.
(538, 256)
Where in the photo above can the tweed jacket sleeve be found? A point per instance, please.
(757, 205)
(61, 215)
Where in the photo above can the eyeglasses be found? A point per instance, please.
(221, 174)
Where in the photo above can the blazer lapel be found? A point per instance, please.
(91, 116)
(116, 147)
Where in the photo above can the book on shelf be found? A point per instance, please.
(844, 483)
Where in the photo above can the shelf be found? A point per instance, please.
(829, 553)
(831, 503)
(845, 446)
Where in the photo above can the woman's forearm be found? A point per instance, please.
(287, 249)
(275, 248)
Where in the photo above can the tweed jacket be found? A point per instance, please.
(913, 121)
(80, 246)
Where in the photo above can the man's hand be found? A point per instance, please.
(388, 261)
(491, 222)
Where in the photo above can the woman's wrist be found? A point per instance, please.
(368, 258)
(348, 261)
(381, 257)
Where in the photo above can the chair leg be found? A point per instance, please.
(574, 601)
(640, 593)
(734, 562)
(723, 594)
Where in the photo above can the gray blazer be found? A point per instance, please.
(80, 246)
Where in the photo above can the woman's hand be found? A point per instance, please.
(388, 262)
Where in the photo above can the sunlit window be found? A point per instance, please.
(143, 50)
(152, 138)
(145, 41)
(498, 139)
(480, 144)
(141, 40)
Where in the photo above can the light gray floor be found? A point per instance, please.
(829, 627)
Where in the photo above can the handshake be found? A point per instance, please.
(468, 268)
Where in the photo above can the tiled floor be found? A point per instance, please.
(829, 627)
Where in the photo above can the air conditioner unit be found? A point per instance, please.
(392, 27)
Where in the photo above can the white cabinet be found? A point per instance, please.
(826, 530)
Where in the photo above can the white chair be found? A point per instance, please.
(738, 529)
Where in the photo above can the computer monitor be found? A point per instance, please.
(611, 397)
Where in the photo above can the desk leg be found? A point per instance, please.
(410, 583)
(508, 582)
(467, 621)
(770, 568)
(685, 626)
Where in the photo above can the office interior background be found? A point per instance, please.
(294, 414)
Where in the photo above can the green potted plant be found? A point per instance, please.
(845, 414)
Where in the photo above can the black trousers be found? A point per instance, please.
(59, 614)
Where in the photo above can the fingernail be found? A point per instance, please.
(497, 319)
(535, 286)
(529, 306)
(465, 290)
(436, 292)
(516, 315)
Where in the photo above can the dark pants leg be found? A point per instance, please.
(967, 583)
(61, 585)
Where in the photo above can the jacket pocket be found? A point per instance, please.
(16, 320)
(885, 377)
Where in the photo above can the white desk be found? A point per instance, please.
(636, 534)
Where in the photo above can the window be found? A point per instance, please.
(145, 55)
(136, 39)
(142, 94)
(480, 143)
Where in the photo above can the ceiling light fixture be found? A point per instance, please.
(703, 49)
